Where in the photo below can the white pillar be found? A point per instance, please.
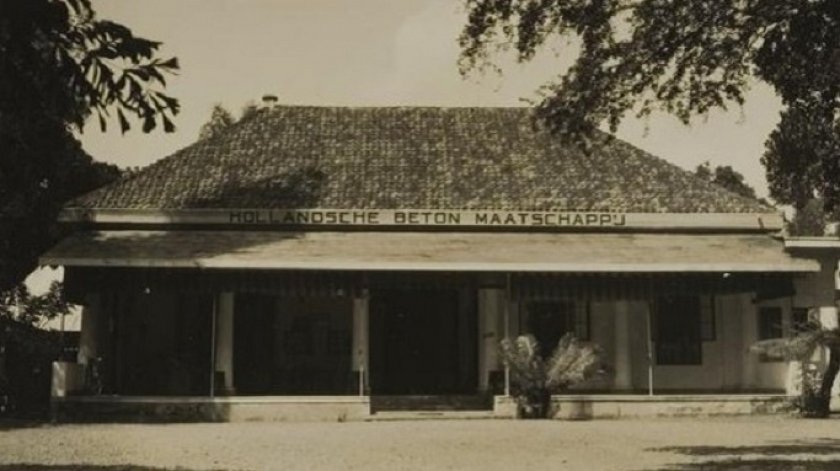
(224, 341)
(650, 353)
(361, 332)
(489, 317)
(749, 332)
(507, 329)
(89, 335)
(623, 365)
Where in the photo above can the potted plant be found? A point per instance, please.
(535, 377)
(811, 402)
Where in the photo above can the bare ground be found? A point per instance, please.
(717, 444)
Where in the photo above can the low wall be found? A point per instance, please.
(612, 406)
(206, 409)
(352, 408)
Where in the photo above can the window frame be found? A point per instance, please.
(762, 328)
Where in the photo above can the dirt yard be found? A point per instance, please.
(724, 444)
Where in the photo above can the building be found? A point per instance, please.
(316, 261)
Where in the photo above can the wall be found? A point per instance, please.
(727, 364)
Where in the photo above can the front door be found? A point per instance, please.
(416, 344)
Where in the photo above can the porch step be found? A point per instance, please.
(431, 403)
(429, 415)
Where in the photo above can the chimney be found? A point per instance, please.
(269, 101)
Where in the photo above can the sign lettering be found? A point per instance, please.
(340, 217)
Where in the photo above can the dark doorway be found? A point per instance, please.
(423, 342)
(162, 344)
(293, 345)
(253, 341)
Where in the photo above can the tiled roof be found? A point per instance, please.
(402, 158)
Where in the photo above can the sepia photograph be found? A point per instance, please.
(247, 235)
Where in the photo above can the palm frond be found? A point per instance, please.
(571, 362)
(799, 347)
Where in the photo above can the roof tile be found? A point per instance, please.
(399, 157)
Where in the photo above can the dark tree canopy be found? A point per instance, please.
(683, 57)
(727, 177)
(60, 66)
(220, 119)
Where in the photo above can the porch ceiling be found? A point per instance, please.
(431, 251)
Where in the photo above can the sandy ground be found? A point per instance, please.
(773, 443)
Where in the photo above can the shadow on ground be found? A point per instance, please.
(17, 424)
(85, 467)
(798, 455)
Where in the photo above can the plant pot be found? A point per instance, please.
(534, 404)
(813, 405)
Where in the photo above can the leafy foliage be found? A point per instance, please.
(533, 377)
(73, 65)
(801, 346)
(31, 196)
(220, 119)
(810, 219)
(60, 66)
(19, 305)
(800, 153)
(683, 57)
(726, 177)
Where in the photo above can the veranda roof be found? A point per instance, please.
(429, 251)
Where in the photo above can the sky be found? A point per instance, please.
(373, 53)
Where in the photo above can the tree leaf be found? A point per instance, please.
(124, 124)
(168, 125)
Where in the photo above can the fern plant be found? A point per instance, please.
(534, 378)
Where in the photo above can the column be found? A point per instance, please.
(224, 343)
(489, 317)
(749, 332)
(88, 337)
(623, 373)
(361, 330)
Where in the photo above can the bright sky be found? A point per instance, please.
(370, 52)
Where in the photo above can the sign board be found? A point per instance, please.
(431, 218)
(317, 217)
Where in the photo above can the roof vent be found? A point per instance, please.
(269, 101)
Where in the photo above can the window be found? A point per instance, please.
(770, 327)
(548, 321)
(799, 319)
(679, 329)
